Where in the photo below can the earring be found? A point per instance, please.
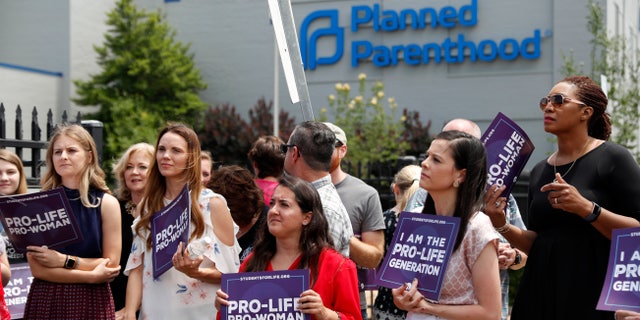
(456, 184)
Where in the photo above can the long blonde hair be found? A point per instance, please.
(408, 182)
(92, 174)
(12, 158)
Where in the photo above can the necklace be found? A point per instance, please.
(130, 207)
(555, 161)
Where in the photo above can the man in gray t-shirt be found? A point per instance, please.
(365, 212)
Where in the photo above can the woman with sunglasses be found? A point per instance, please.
(577, 196)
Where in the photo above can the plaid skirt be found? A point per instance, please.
(69, 301)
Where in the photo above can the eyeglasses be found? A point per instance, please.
(285, 147)
(557, 100)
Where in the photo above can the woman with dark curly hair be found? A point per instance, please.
(244, 199)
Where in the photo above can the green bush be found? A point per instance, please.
(229, 136)
(374, 132)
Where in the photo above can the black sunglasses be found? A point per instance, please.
(285, 147)
(557, 100)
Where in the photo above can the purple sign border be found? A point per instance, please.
(54, 198)
(283, 280)
(610, 300)
(162, 259)
(393, 278)
(495, 134)
(22, 272)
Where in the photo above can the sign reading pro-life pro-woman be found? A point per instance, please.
(508, 150)
(264, 295)
(41, 218)
(169, 227)
(421, 247)
(621, 289)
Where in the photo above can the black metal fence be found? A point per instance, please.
(36, 144)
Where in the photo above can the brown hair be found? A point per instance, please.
(243, 196)
(314, 236)
(468, 153)
(589, 92)
(153, 199)
(266, 155)
(12, 158)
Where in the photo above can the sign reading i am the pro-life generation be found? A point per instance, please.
(421, 247)
(169, 227)
(621, 289)
(17, 290)
(508, 150)
(39, 219)
(264, 295)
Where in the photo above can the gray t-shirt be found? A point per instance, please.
(365, 212)
(363, 205)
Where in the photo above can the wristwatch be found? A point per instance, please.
(517, 260)
(71, 262)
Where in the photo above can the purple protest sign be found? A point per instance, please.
(169, 227)
(41, 218)
(367, 279)
(421, 247)
(264, 295)
(508, 150)
(621, 289)
(17, 290)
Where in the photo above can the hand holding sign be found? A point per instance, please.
(182, 261)
(45, 256)
(265, 295)
(407, 297)
(420, 249)
(508, 150)
(170, 228)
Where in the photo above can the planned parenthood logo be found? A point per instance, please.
(308, 42)
(456, 47)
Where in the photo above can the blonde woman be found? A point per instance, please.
(73, 282)
(405, 183)
(131, 173)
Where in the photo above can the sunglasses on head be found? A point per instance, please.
(557, 100)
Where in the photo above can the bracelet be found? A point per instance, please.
(517, 259)
(504, 228)
(595, 213)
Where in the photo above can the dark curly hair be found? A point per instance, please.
(589, 92)
(243, 196)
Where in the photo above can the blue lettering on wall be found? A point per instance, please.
(308, 43)
(452, 50)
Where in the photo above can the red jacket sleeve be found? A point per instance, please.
(337, 284)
